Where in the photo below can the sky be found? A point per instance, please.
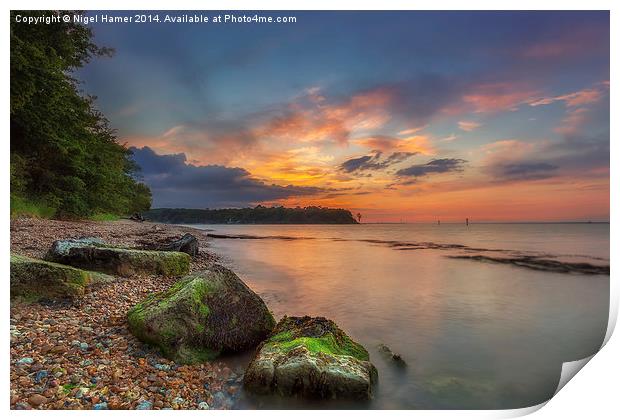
(400, 116)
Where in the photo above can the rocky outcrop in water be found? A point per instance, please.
(94, 254)
(313, 358)
(540, 264)
(395, 358)
(202, 315)
(33, 279)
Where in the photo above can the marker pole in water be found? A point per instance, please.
(467, 222)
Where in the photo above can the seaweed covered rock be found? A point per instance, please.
(33, 279)
(94, 254)
(312, 358)
(202, 315)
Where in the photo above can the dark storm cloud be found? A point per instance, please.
(434, 166)
(524, 171)
(176, 183)
(374, 162)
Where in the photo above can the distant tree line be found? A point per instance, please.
(256, 215)
(64, 155)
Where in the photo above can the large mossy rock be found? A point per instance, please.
(33, 279)
(93, 254)
(202, 315)
(312, 358)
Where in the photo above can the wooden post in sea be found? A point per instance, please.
(467, 221)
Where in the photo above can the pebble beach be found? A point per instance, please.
(80, 355)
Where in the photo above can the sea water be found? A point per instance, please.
(475, 334)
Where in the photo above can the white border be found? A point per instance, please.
(593, 394)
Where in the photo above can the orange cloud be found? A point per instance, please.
(582, 97)
(411, 130)
(415, 144)
(310, 119)
(573, 121)
(496, 97)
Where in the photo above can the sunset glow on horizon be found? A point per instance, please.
(408, 116)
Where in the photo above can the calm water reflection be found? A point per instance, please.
(474, 335)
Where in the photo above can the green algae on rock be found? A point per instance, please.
(312, 358)
(202, 315)
(33, 279)
(93, 254)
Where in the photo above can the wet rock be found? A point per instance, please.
(396, 358)
(203, 406)
(33, 279)
(93, 255)
(202, 315)
(101, 406)
(25, 361)
(311, 357)
(188, 244)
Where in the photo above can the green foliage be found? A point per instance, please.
(256, 215)
(25, 207)
(104, 217)
(63, 152)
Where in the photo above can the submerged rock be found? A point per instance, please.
(313, 358)
(396, 358)
(94, 254)
(33, 279)
(201, 316)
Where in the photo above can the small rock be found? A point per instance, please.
(203, 406)
(40, 375)
(144, 405)
(37, 399)
(101, 406)
(25, 361)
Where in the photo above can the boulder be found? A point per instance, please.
(94, 254)
(33, 279)
(188, 243)
(312, 358)
(202, 315)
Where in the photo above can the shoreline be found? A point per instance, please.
(80, 354)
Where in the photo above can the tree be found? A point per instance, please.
(63, 151)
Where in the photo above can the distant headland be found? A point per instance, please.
(256, 215)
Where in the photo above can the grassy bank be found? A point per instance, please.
(23, 207)
(40, 209)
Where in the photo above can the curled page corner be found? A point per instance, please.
(570, 369)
